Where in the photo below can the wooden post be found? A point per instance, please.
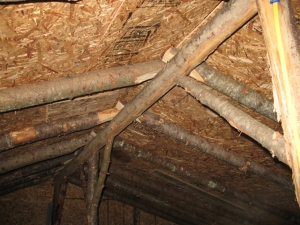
(283, 45)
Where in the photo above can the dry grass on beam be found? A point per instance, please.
(271, 140)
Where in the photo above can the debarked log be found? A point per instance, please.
(44, 153)
(77, 85)
(166, 127)
(55, 128)
(271, 140)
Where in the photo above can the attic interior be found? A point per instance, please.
(174, 98)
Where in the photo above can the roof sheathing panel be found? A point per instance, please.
(40, 41)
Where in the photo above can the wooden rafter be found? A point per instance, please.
(194, 52)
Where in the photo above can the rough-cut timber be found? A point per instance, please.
(44, 153)
(271, 140)
(56, 128)
(78, 85)
(285, 70)
(166, 127)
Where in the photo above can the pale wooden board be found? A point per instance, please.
(81, 106)
(40, 41)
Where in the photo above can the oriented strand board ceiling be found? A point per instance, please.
(42, 41)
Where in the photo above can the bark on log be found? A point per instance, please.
(228, 194)
(114, 184)
(283, 46)
(60, 191)
(44, 153)
(25, 185)
(229, 86)
(92, 212)
(77, 85)
(129, 201)
(227, 21)
(102, 175)
(271, 140)
(83, 178)
(206, 204)
(35, 168)
(56, 128)
(166, 127)
(237, 91)
(36, 176)
(193, 53)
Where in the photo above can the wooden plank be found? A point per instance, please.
(282, 39)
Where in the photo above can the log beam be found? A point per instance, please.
(271, 140)
(57, 128)
(35, 168)
(132, 202)
(204, 183)
(283, 47)
(229, 86)
(77, 85)
(166, 127)
(204, 203)
(230, 18)
(44, 153)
